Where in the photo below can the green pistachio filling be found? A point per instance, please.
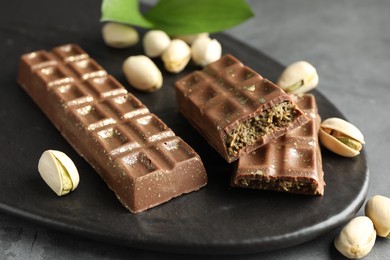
(299, 84)
(278, 184)
(294, 86)
(67, 183)
(351, 143)
(249, 131)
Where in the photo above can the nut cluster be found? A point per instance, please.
(141, 72)
(358, 237)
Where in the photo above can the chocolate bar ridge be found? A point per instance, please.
(135, 153)
(234, 108)
(292, 163)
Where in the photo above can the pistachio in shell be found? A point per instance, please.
(299, 77)
(58, 171)
(341, 137)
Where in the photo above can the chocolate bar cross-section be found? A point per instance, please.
(292, 163)
(234, 108)
(135, 153)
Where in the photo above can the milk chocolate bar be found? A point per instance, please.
(234, 108)
(135, 153)
(291, 163)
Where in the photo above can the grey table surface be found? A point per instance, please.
(348, 41)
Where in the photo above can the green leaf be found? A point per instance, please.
(124, 11)
(179, 17)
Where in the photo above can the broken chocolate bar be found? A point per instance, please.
(291, 163)
(135, 153)
(234, 108)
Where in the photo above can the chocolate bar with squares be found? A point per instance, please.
(135, 153)
(234, 108)
(292, 163)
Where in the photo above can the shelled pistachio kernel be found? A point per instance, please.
(176, 56)
(58, 171)
(357, 238)
(155, 42)
(341, 137)
(205, 51)
(119, 35)
(299, 77)
(142, 73)
(378, 210)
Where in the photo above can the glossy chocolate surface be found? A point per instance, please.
(136, 154)
(225, 95)
(290, 163)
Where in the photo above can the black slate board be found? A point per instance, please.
(217, 219)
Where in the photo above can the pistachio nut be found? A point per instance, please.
(58, 171)
(142, 73)
(205, 51)
(299, 77)
(341, 137)
(176, 56)
(155, 42)
(190, 38)
(357, 238)
(378, 210)
(119, 35)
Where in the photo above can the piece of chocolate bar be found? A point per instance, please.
(135, 153)
(291, 163)
(234, 108)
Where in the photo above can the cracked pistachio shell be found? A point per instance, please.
(58, 171)
(176, 56)
(205, 51)
(357, 238)
(341, 137)
(155, 42)
(118, 35)
(378, 210)
(190, 38)
(299, 77)
(142, 73)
